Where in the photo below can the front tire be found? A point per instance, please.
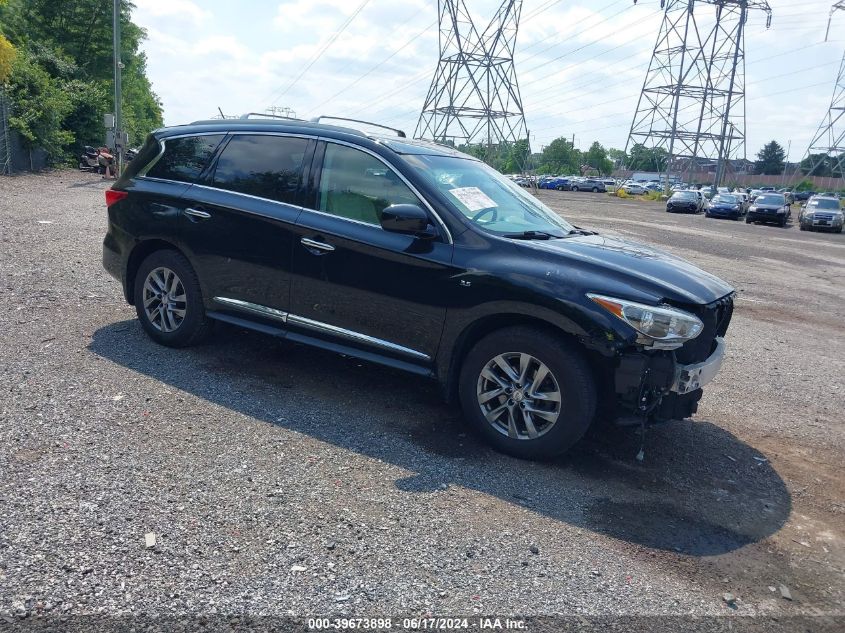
(168, 300)
(575, 189)
(530, 394)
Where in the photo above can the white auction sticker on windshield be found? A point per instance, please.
(473, 198)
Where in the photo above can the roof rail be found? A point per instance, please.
(265, 115)
(399, 133)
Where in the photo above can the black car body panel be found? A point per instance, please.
(724, 211)
(775, 212)
(413, 302)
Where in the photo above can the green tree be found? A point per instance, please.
(644, 158)
(822, 165)
(771, 159)
(71, 41)
(596, 157)
(560, 157)
(39, 105)
(618, 156)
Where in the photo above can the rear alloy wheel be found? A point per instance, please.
(529, 393)
(595, 189)
(575, 189)
(168, 300)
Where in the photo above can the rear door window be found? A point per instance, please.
(266, 166)
(184, 158)
(358, 186)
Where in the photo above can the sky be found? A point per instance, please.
(580, 65)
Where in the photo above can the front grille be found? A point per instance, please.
(822, 217)
(716, 318)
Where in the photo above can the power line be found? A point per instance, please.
(323, 49)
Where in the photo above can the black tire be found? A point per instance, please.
(595, 189)
(195, 325)
(567, 365)
(747, 221)
(575, 189)
(559, 188)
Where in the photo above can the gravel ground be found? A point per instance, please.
(279, 480)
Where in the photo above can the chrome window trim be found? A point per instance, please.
(407, 182)
(318, 326)
(249, 195)
(438, 220)
(246, 306)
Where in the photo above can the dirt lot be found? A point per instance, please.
(281, 480)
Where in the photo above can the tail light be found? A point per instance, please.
(113, 195)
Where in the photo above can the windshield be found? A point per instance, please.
(770, 199)
(824, 204)
(487, 198)
(685, 195)
(725, 199)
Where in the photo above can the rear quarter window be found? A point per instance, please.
(184, 158)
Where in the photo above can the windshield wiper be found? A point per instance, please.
(577, 231)
(532, 235)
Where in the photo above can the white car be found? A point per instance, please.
(634, 189)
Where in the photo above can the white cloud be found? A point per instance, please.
(174, 9)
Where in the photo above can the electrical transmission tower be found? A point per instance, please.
(474, 96)
(692, 105)
(827, 149)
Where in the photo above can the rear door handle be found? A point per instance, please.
(322, 246)
(196, 213)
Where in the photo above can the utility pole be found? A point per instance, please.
(694, 90)
(474, 95)
(118, 95)
(828, 144)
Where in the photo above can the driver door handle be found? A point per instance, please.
(196, 213)
(321, 246)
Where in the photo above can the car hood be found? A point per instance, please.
(768, 206)
(633, 270)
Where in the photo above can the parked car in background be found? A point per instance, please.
(587, 184)
(288, 228)
(754, 194)
(801, 196)
(767, 188)
(746, 199)
(633, 189)
(561, 184)
(769, 208)
(726, 205)
(821, 214)
(685, 202)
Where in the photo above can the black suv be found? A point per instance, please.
(413, 255)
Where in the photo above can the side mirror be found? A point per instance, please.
(408, 219)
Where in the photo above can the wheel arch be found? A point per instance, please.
(449, 369)
(139, 253)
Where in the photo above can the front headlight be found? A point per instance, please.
(662, 327)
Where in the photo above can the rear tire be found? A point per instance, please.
(168, 300)
(541, 428)
(595, 189)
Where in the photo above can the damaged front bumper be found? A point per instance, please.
(654, 385)
(691, 377)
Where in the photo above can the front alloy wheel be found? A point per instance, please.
(528, 391)
(165, 303)
(519, 396)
